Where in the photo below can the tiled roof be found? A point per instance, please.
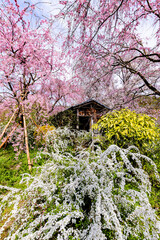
(89, 101)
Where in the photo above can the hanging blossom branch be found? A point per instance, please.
(98, 31)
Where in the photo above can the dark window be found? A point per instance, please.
(84, 123)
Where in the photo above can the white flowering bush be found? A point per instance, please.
(88, 195)
(63, 139)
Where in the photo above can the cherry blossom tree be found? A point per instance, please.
(111, 48)
(32, 69)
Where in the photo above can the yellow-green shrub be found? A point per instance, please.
(125, 127)
(40, 133)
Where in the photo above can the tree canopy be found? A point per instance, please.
(112, 50)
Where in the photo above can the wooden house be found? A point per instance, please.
(88, 113)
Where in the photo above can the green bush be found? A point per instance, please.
(65, 118)
(125, 128)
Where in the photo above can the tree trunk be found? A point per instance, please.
(26, 138)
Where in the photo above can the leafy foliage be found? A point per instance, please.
(65, 118)
(151, 106)
(41, 132)
(125, 127)
(85, 195)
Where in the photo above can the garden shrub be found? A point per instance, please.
(65, 118)
(90, 195)
(65, 139)
(41, 132)
(125, 128)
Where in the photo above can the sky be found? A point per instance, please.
(44, 6)
(147, 30)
